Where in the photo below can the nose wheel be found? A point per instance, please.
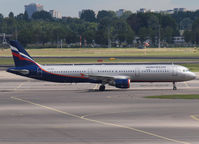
(102, 88)
(174, 86)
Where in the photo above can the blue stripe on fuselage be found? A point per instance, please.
(62, 79)
(38, 73)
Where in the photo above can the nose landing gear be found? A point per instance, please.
(174, 86)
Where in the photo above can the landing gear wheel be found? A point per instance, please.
(102, 88)
(174, 86)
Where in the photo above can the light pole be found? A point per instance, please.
(109, 37)
(159, 37)
(4, 41)
(16, 33)
(4, 38)
(61, 43)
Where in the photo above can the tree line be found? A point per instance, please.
(130, 29)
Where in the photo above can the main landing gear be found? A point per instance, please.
(102, 88)
(174, 86)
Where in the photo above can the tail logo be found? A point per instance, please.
(20, 55)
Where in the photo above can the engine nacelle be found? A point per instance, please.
(121, 83)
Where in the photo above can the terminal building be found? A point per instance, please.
(180, 10)
(32, 8)
(55, 14)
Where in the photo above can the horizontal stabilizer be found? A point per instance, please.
(20, 71)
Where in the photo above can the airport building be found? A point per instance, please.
(167, 12)
(32, 8)
(55, 14)
(144, 10)
(175, 10)
(120, 12)
(180, 10)
(178, 39)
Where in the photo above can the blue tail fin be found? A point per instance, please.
(20, 56)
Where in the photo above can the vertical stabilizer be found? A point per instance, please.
(20, 56)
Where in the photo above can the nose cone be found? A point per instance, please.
(191, 76)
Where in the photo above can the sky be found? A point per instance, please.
(72, 7)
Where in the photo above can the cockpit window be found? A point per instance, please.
(186, 70)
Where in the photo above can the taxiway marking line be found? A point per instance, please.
(89, 115)
(195, 117)
(19, 86)
(96, 86)
(101, 122)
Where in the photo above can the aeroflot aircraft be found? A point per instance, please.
(119, 76)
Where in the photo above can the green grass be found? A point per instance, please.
(189, 96)
(6, 61)
(192, 67)
(110, 52)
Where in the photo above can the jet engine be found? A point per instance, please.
(121, 83)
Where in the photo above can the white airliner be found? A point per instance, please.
(119, 76)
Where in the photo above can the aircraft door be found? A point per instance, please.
(174, 71)
(137, 72)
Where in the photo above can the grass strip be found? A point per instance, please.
(188, 96)
(110, 52)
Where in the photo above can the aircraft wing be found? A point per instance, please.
(107, 78)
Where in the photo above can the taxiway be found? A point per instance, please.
(41, 112)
